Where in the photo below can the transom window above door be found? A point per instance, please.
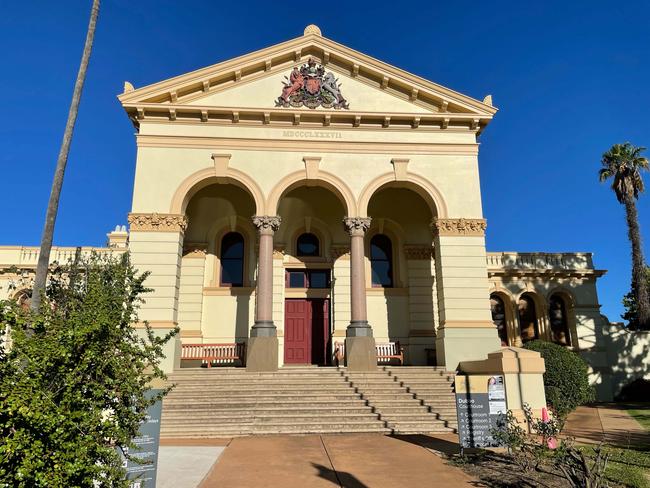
(307, 245)
(307, 278)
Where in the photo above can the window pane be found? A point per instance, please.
(381, 273)
(527, 319)
(297, 279)
(232, 259)
(232, 246)
(318, 279)
(308, 245)
(559, 323)
(232, 272)
(380, 247)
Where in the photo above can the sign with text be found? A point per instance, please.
(143, 474)
(480, 403)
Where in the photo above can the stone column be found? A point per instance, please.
(155, 244)
(262, 352)
(466, 331)
(360, 353)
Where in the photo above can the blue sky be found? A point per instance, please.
(570, 79)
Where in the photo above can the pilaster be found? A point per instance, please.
(466, 330)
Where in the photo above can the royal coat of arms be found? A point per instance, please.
(311, 86)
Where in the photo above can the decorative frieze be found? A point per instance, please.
(267, 223)
(357, 225)
(459, 227)
(155, 222)
(418, 252)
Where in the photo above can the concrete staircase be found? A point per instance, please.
(225, 402)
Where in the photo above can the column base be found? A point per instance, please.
(359, 328)
(264, 328)
(262, 354)
(360, 353)
(456, 344)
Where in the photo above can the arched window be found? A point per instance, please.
(308, 245)
(232, 259)
(528, 327)
(499, 317)
(381, 261)
(559, 322)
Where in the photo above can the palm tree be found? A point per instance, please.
(623, 163)
(57, 183)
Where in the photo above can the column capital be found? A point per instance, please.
(267, 224)
(458, 227)
(357, 226)
(157, 222)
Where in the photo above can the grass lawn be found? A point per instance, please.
(641, 415)
(627, 467)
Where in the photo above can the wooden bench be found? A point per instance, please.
(224, 353)
(385, 352)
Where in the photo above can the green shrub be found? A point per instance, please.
(566, 380)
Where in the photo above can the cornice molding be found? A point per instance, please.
(141, 112)
(285, 55)
(157, 222)
(459, 227)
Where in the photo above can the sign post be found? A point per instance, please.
(480, 404)
(143, 475)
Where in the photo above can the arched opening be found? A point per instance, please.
(218, 265)
(498, 309)
(307, 245)
(559, 320)
(232, 259)
(528, 323)
(400, 269)
(312, 225)
(381, 261)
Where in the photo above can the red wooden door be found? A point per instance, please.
(297, 331)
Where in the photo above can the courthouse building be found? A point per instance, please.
(307, 196)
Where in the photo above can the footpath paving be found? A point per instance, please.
(326, 461)
(608, 423)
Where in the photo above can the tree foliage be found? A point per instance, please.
(566, 380)
(73, 383)
(630, 303)
(624, 163)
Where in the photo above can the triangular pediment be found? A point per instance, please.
(254, 81)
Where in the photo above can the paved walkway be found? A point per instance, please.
(350, 461)
(608, 423)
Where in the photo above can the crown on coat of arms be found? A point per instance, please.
(311, 86)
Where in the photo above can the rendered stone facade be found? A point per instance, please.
(227, 184)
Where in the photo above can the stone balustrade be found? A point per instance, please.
(541, 262)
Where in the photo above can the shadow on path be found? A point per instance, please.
(339, 478)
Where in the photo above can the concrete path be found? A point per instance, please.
(350, 461)
(184, 464)
(608, 423)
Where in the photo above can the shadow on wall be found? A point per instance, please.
(618, 356)
(242, 321)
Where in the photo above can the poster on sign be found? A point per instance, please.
(480, 405)
(142, 474)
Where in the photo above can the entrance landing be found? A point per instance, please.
(320, 461)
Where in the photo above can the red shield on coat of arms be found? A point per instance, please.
(312, 85)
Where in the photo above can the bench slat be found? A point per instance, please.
(215, 352)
